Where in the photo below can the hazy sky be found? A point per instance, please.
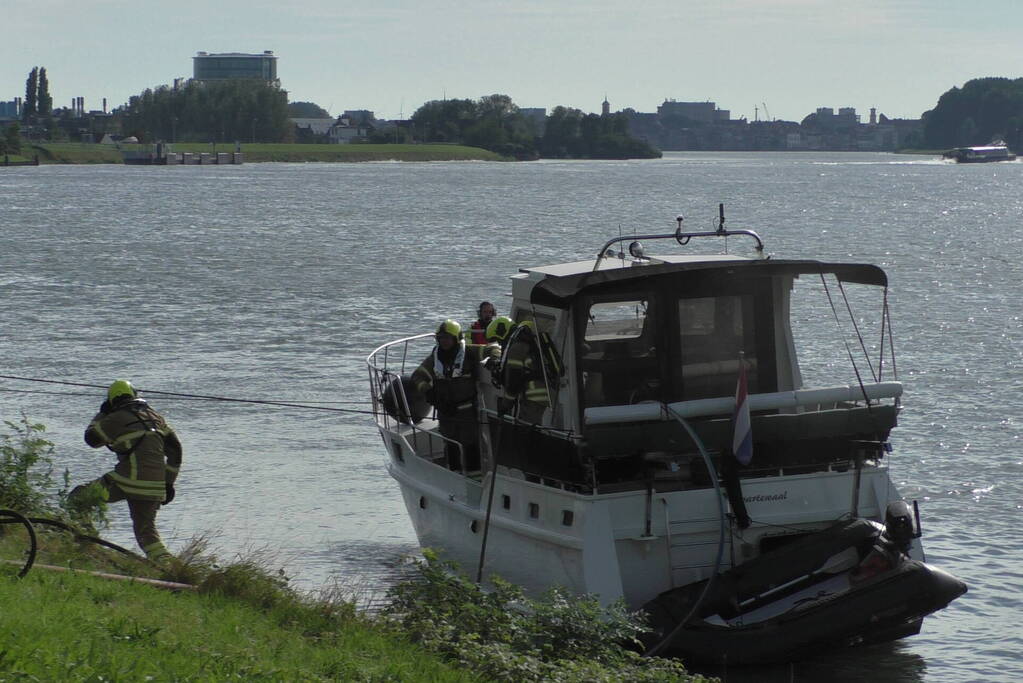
(391, 56)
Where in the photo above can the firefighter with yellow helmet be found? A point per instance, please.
(148, 459)
(447, 378)
(529, 370)
(497, 333)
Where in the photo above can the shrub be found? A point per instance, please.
(26, 479)
(503, 635)
(26, 467)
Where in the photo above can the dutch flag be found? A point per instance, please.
(742, 439)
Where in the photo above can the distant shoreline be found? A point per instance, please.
(85, 153)
(93, 153)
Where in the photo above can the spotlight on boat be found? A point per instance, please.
(898, 524)
(636, 249)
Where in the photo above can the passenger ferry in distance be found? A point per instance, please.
(619, 477)
(996, 151)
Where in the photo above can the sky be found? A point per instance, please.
(769, 59)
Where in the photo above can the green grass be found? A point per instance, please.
(16, 157)
(73, 627)
(79, 153)
(243, 621)
(259, 152)
(242, 624)
(71, 153)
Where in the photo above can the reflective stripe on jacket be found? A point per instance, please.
(452, 386)
(148, 451)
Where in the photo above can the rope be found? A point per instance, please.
(204, 397)
(167, 398)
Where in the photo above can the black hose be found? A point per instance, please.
(18, 518)
(85, 537)
(657, 647)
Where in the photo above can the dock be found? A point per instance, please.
(162, 155)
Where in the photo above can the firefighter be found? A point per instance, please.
(528, 363)
(498, 331)
(148, 459)
(477, 332)
(447, 378)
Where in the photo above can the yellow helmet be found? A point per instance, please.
(451, 327)
(499, 328)
(119, 389)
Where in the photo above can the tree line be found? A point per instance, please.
(227, 111)
(983, 110)
(495, 123)
(38, 102)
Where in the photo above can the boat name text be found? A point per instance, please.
(766, 498)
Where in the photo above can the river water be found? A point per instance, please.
(274, 281)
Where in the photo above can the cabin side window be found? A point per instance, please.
(712, 332)
(619, 352)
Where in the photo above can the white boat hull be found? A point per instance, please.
(541, 536)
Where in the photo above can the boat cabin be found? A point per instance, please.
(618, 351)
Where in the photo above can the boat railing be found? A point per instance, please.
(387, 364)
(683, 238)
(813, 398)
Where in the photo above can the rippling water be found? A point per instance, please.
(273, 282)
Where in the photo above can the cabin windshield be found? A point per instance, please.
(620, 358)
(668, 346)
(712, 333)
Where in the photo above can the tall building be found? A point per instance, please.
(11, 110)
(225, 66)
(705, 112)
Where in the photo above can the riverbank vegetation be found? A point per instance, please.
(244, 621)
(494, 122)
(89, 153)
(217, 111)
(983, 110)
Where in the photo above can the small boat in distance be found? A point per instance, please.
(688, 433)
(996, 151)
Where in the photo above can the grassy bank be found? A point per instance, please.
(74, 627)
(243, 621)
(77, 153)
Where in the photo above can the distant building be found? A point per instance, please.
(605, 107)
(701, 112)
(845, 118)
(345, 131)
(228, 66)
(313, 126)
(362, 117)
(11, 110)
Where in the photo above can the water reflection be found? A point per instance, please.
(884, 663)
